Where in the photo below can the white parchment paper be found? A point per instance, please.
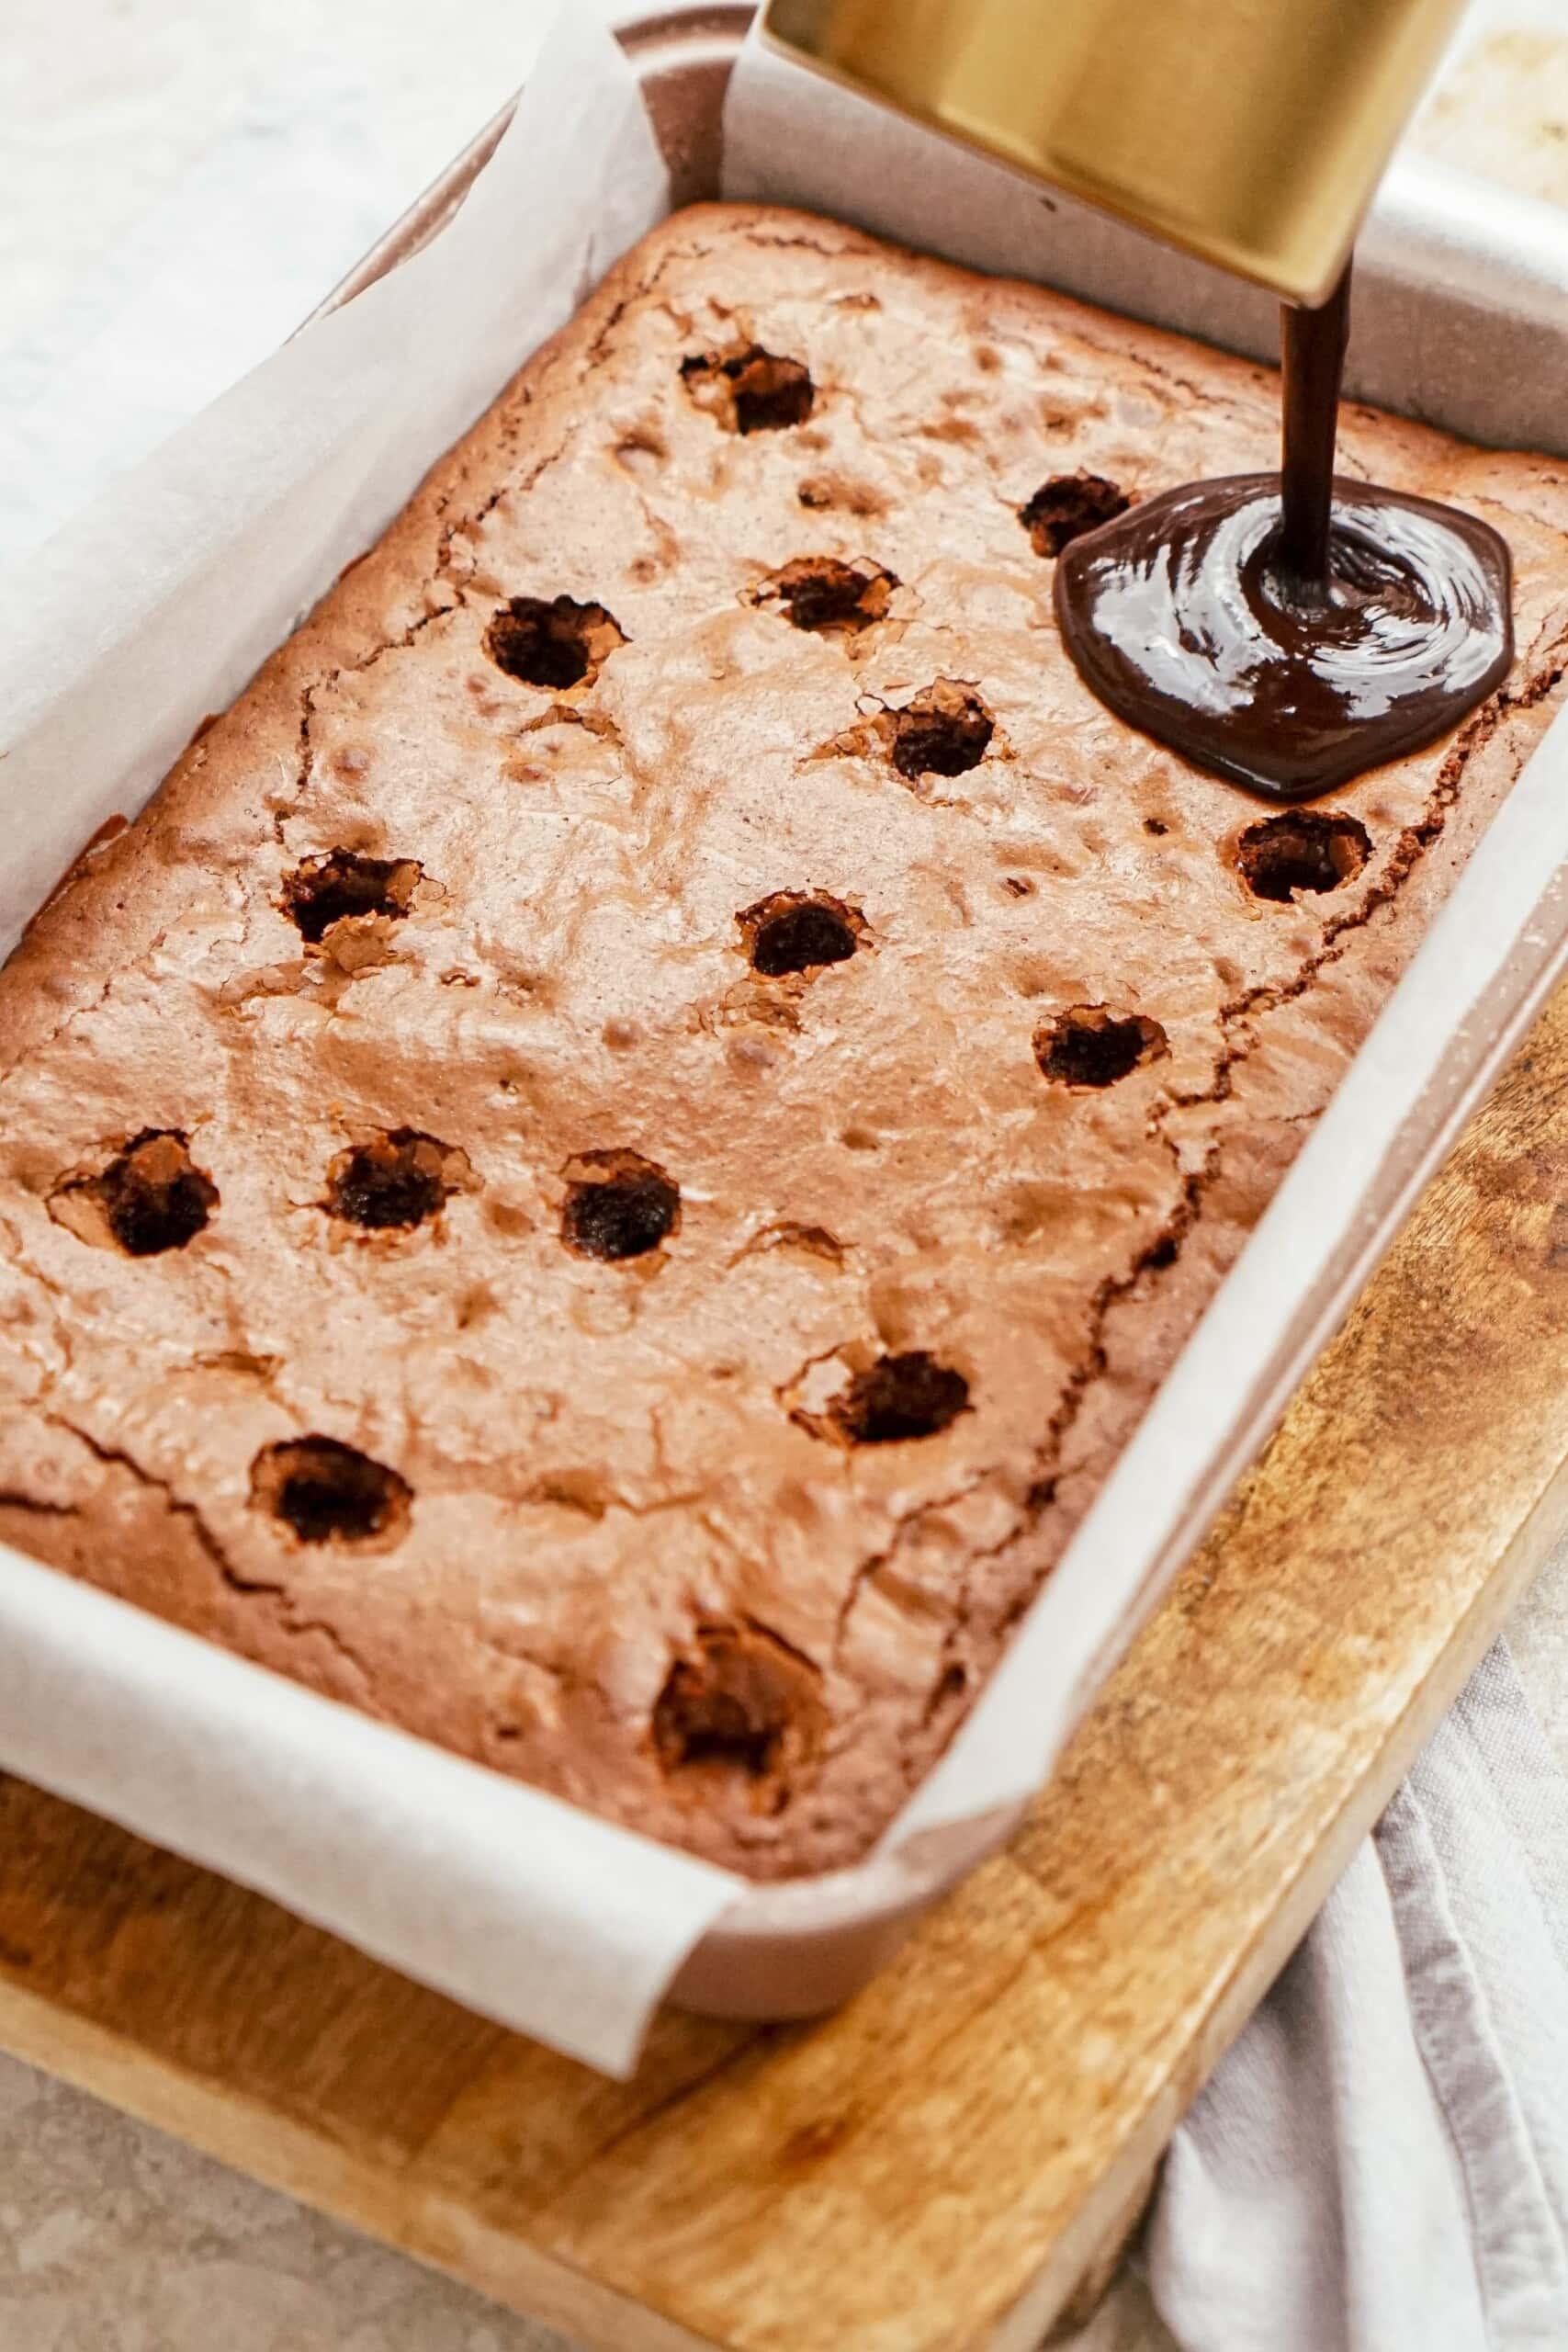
(544, 1918)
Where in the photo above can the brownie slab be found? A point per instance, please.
(604, 1173)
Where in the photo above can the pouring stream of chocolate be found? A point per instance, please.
(1288, 630)
(1311, 353)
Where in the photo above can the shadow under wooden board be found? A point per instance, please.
(939, 2165)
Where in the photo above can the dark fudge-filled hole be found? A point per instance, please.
(1090, 1045)
(558, 644)
(817, 592)
(1302, 850)
(740, 1705)
(798, 931)
(390, 1185)
(944, 730)
(1068, 504)
(151, 1197)
(324, 890)
(619, 1205)
(752, 390)
(326, 1492)
(899, 1397)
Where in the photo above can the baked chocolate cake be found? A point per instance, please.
(607, 1167)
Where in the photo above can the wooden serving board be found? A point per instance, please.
(939, 2165)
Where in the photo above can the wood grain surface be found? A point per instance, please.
(938, 2165)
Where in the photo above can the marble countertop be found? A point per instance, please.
(180, 180)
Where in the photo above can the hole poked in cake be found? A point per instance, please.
(342, 886)
(1088, 1045)
(326, 1492)
(748, 389)
(799, 930)
(893, 1400)
(945, 729)
(740, 1707)
(1068, 504)
(819, 594)
(395, 1182)
(619, 1205)
(556, 643)
(151, 1197)
(1301, 849)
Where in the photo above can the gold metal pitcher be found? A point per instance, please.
(1251, 132)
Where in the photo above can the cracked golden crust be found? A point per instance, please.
(606, 1458)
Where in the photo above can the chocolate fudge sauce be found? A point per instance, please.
(1288, 630)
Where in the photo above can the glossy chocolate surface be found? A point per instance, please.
(1290, 630)
(1180, 619)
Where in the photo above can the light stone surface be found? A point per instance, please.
(180, 180)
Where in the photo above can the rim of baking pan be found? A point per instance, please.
(684, 59)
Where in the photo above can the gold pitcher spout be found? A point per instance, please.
(1250, 133)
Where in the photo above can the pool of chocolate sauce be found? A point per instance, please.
(1288, 630)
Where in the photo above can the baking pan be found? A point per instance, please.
(1447, 268)
(110, 1706)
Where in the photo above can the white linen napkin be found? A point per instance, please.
(1381, 2163)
